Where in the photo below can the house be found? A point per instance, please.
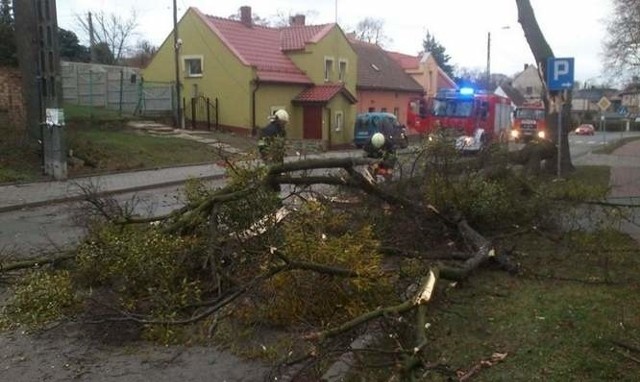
(528, 83)
(630, 98)
(506, 90)
(585, 101)
(252, 70)
(425, 70)
(382, 84)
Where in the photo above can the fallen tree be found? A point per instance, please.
(329, 252)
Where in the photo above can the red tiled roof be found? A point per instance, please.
(323, 93)
(295, 37)
(378, 71)
(406, 61)
(257, 46)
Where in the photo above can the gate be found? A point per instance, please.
(201, 111)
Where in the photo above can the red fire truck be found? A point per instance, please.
(475, 118)
(529, 122)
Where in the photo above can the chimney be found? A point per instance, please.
(245, 16)
(297, 20)
(526, 66)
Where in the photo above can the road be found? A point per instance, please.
(29, 231)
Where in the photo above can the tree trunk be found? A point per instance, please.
(542, 51)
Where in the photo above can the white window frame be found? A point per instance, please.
(328, 69)
(339, 120)
(342, 74)
(187, 69)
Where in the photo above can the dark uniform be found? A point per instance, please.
(271, 142)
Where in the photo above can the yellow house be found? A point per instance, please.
(309, 70)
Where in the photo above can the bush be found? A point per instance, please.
(41, 297)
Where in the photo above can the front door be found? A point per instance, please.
(312, 122)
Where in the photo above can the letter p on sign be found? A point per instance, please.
(560, 73)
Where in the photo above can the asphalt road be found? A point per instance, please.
(28, 231)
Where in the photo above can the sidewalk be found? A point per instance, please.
(18, 196)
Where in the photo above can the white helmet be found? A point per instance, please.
(377, 140)
(282, 115)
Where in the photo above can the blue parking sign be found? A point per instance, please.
(560, 73)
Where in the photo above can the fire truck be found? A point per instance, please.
(529, 122)
(474, 118)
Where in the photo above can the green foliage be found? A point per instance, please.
(320, 236)
(150, 272)
(41, 297)
(8, 49)
(431, 45)
(70, 47)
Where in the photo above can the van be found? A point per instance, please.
(368, 124)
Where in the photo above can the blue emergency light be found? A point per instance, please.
(466, 91)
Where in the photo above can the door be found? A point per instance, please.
(312, 122)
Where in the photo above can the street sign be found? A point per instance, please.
(622, 110)
(560, 73)
(604, 103)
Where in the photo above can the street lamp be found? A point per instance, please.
(489, 53)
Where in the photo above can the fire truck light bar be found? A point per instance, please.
(467, 91)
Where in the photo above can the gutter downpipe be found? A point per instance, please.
(254, 127)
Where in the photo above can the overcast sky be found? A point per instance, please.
(573, 28)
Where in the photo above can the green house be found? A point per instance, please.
(309, 70)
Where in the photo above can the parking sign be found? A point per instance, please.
(560, 73)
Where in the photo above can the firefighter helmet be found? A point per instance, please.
(377, 140)
(282, 115)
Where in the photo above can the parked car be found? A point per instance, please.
(585, 129)
(368, 124)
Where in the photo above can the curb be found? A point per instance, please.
(79, 197)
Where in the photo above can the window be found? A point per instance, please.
(328, 68)
(342, 70)
(372, 109)
(384, 110)
(192, 66)
(396, 111)
(529, 90)
(339, 121)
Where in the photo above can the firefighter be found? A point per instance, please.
(383, 148)
(271, 143)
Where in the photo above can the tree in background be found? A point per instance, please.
(431, 45)
(112, 35)
(142, 54)
(70, 47)
(371, 30)
(103, 54)
(622, 57)
(8, 50)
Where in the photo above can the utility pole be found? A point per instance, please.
(39, 58)
(488, 59)
(92, 41)
(176, 44)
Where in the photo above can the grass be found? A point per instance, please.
(98, 114)
(115, 149)
(98, 138)
(611, 147)
(596, 176)
(558, 321)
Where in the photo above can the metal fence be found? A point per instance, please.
(115, 87)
